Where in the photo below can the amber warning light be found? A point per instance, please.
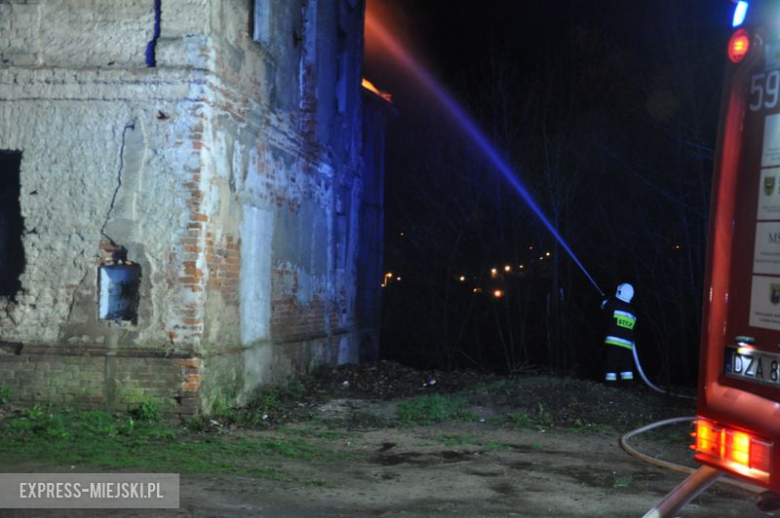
(740, 452)
(739, 44)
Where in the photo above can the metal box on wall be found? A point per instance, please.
(119, 292)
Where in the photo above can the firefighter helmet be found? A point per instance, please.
(625, 292)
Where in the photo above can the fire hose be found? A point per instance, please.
(649, 383)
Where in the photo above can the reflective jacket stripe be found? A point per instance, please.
(620, 342)
(625, 314)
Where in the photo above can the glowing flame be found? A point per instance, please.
(368, 85)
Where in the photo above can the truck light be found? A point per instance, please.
(739, 44)
(738, 448)
(740, 11)
(736, 451)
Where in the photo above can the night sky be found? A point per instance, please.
(607, 111)
(453, 38)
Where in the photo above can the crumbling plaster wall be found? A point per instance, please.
(230, 171)
(279, 190)
(112, 155)
(68, 33)
(107, 150)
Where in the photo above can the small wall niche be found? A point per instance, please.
(119, 288)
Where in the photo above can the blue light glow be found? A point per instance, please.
(739, 14)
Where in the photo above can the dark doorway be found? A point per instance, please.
(11, 224)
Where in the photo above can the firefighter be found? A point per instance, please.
(619, 338)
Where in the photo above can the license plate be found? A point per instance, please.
(752, 365)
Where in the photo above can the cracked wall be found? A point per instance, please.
(231, 173)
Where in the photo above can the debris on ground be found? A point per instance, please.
(391, 380)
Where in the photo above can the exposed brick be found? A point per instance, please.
(188, 362)
(192, 321)
(12, 358)
(284, 165)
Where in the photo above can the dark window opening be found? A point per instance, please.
(11, 224)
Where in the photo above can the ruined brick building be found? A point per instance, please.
(190, 198)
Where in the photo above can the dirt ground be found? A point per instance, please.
(564, 462)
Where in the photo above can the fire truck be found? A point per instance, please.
(737, 431)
